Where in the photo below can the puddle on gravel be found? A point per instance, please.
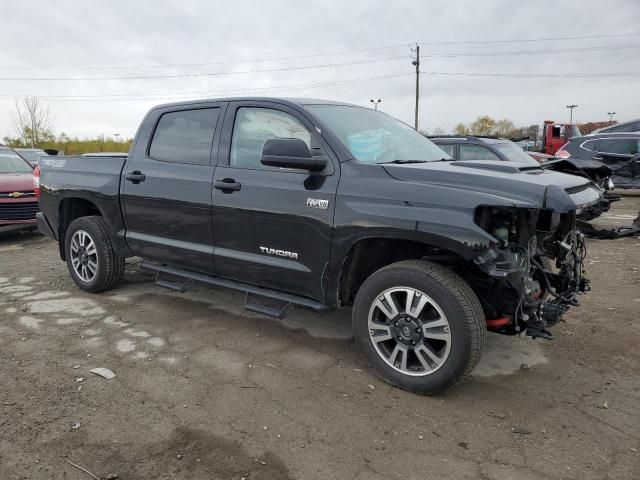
(75, 306)
(30, 322)
(125, 345)
(504, 355)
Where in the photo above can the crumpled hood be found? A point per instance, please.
(16, 182)
(522, 183)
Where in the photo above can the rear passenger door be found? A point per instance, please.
(166, 186)
(273, 226)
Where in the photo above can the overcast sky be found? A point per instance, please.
(125, 38)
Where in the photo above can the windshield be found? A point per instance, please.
(514, 153)
(572, 131)
(375, 137)
(11, 162)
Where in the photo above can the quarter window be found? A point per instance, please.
(449, 149)
(476, 152)
(254, 126)
(185, 136)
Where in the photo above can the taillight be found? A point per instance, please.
(562, 154)
(36, 181)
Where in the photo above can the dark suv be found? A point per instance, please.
(468, 147)
(618, 151)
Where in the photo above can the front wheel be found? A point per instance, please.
(91, 259)
(420, 326)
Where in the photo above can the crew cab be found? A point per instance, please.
(18, 204)
(323, 205)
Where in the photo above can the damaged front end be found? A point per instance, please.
(533, 273)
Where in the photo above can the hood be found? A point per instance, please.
(16, 182)
(524, 184)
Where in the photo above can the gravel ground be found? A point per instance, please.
(205, 390)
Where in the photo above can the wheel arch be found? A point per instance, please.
(365, 255)
(73, 207)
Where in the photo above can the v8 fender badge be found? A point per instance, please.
(317, 203)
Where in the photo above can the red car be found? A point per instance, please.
(18, 203)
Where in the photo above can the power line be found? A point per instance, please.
(217, 62)
(211, 74)
(186, 95)
(532, 52)
(326, 65)
(538, 75)
(542, 39)
(322, 54)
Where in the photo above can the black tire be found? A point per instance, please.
(110, 267)
(454, 297)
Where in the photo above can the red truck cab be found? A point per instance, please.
(555, 135)
(18, 203)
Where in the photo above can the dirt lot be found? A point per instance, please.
(205, 390)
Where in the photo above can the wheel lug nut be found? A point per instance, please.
(397, 324)
(417, 330)
(413, 342)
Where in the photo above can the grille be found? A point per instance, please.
(18, 211)
(24, 194)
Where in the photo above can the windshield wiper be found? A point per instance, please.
(404, 161)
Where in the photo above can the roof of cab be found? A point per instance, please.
(298, 102)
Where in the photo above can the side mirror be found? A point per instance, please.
(290, 153)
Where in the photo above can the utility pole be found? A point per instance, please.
(375, 103)
(416, 63)
(611, 114)
(571, 107)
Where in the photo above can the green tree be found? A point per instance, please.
(484, 125)
(461, 129)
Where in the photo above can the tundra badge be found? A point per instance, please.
(279, 253)
(317, 203)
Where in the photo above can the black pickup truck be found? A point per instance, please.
(326, 205)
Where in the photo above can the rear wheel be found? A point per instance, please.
(420, 326)
(91, 259)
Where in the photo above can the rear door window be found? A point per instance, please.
(621, 146)
(476, 152)
(185, 136)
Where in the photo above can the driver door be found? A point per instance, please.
(273, 225)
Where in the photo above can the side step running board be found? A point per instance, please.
(278, 309)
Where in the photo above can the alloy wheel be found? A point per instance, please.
(409, 331)
(84, 256)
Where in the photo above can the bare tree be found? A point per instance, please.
(461, 129)
(504, 128)
(32, 121)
